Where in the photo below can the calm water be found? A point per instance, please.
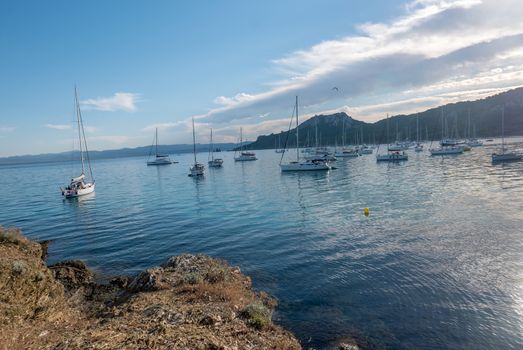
(437, 264)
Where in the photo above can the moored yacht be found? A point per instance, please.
(159, 159)
(505, 156)
(244, 155)
(347, 153)
(474, 143)
(197, 169)
(446, 150)
(213, 162)
(392, 156)
(299, 165)
(79, 186)
(365, 150)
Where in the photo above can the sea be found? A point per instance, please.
(437, 263)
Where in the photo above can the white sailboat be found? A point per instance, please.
(244, 155)
(278, 149)
(392, 154)
(505, 156)
(345, 152)
(419, 146)
(472, 141)
(197, 169)
(213, 162)
(448, 146)
(79, 185)
(159, 159)
(306, 165)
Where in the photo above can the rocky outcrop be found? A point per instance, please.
(189, 302)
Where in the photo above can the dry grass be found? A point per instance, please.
(191, 302)
(228, 292)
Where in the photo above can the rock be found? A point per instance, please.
(45, 247)
(148, 281)
(190, 302)
(73, 274)
(119, 281)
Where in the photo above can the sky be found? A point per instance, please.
(141, 65)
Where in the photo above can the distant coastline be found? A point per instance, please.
(142, 151)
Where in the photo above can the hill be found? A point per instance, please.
(450, 120)
(116, 153)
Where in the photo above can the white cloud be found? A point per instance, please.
(124, 101)
(439, 50)
(227, 101)
(58, 126)
(7, 129)
(164, 126)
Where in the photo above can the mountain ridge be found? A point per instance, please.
(485, 116)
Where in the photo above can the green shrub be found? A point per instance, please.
(18, 267)
(9, 236)
(216, 273)
(257, 316)
(193, 278)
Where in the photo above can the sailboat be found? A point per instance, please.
(345, 152)
(448, 146)
(159, 159)
(364, 149)
(473, 141)
(306, 165)
(505, 156)
(392, 155)
(278, 149)
(197, 169)
(244, 155)
(419, 146)
(398, 146)
(213, 162)
(79, 185)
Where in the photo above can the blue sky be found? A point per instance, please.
(141, 65)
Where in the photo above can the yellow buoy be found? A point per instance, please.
(366, 211)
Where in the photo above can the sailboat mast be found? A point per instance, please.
(343, 133)
(503, 129)
(470, 135)
(417, 128)
(442, 125)
(212, 148)
(388, 142)
(193, 141)
(156, 138)
(79, 128)
(316, 125)
(297, 133)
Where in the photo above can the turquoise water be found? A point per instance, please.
(437, 264)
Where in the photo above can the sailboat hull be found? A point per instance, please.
(216, 163)
(245, 158)
(446, 151)
(305, 166)
(392, 157)
(160, 162)
(506, 157)
(197, 170)
(89, 188)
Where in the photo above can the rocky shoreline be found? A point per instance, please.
(189, 302)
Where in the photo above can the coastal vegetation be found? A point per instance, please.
(189, 302)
